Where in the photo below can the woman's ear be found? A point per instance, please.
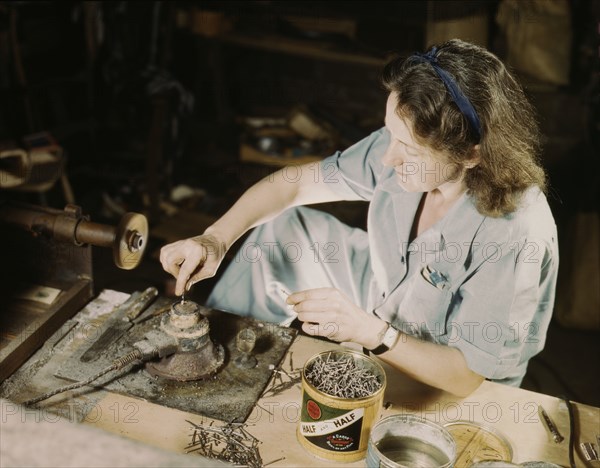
(474, 159)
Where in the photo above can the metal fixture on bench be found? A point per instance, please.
(197, 357)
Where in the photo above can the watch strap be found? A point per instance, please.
(382, 348)
(386, 343)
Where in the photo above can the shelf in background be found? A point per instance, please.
(319, 50)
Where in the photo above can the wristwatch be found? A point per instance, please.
(388, 341)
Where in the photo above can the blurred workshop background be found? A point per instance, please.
(172, 109)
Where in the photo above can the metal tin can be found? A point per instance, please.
(408, 440)
(336, 428)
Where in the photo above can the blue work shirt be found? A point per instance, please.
(494, 277)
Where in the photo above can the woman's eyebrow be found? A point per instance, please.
(409, 146)
(404, 143)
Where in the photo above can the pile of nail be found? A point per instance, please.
(282, 379)
(230, 443)
(340, 376)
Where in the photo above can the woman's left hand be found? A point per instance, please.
(330, 313)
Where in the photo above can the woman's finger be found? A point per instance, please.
(326, 329)
(310, 294)
(316, 317)
(170, 260)
(314, 305)
(190, 265)
(207, 270)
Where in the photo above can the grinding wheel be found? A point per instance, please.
(131, 238)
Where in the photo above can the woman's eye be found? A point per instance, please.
(411, 152)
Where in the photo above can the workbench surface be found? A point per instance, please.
(511, 411)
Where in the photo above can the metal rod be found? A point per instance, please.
(556, 436)
(88, 232)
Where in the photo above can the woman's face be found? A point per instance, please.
(418, 168)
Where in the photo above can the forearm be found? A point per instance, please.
(268, 198)
(329, 312)
(437, 365)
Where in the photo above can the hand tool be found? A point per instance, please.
(119, 324)
(556, 436)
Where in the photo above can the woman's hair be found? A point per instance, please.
(509, 143)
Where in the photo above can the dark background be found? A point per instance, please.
(146, 97)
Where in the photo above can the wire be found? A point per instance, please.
(117, 364)
(571, 432)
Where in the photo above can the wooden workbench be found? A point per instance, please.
(511, 411)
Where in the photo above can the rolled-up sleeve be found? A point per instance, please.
(354, 172)
(500, 315)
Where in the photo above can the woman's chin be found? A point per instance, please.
(406, 185)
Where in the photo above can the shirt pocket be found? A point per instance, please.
(424, 309)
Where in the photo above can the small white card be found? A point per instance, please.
(37, 293)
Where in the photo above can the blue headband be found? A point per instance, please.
(463, 103)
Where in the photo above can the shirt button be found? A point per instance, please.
(383, 294)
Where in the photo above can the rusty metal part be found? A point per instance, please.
(229, 395)
(197, 357)
(128, 240)
(155, 313)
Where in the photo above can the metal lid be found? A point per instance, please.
(476, 443)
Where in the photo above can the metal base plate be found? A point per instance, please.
(229, 395)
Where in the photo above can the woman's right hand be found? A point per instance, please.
(191, 260)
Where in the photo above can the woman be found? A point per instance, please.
(453, 282)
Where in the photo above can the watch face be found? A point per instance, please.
(389, 339)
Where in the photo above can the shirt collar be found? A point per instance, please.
(458, 226)
(461, 223)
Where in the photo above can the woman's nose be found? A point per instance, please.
(392, 156)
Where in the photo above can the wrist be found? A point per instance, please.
(388, 340)
(218, 236)
(373, 340)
